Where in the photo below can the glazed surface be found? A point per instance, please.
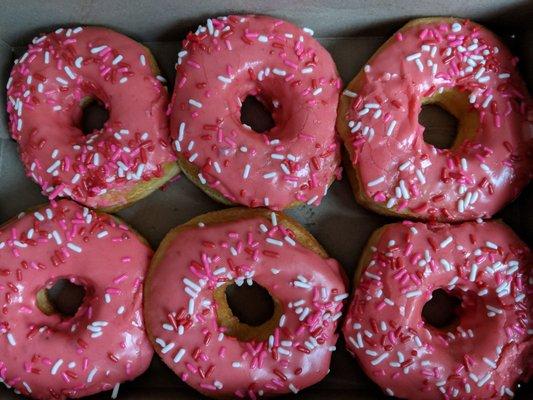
(104, 343)
(396, 169)
(485, 353)
(48, 85)
(181, 313)
(293, 75)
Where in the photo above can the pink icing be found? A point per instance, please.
(487, 267)
(45, 89)
(236, 56)
(104, 344)
(397, 169)
(310, 289)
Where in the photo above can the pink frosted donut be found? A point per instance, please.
(293, 76)
(480, 356)
(45, 355)
(464, 68)
(193, 328)
(50, 85)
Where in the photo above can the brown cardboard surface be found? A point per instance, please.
(339, 224)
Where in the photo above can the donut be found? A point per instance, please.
(50, 85)
(463, 68)
(480, 355)
(47, 355)
(293, 76)
(195, 331)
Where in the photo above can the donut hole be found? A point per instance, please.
(94, 115)
(442, 310)
(440, 126)
(256, 115)
(448, 119)
(247, 312)
(63, 298)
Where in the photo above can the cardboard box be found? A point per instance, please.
(350, 30)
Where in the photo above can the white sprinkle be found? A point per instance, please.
(57, 238)
(91, 375)
(279, 72)
(195, 103)
(167, 348)
(224, 79)
(487, 101)
(121, 310)
(293, 388)
(372, 276)
(54, 166)
(446, 264)
(391, 127)
(312, 200)
(348, 93)
(11, 339)
(117, 59)
(179, 355)
(98, 49)
(246, 171)
(446, 242)
(56, 366)
(142, 59)
(376, 181)
(317, 91)
(494, 309)
(74, 247)
(489, 362)
(461, 206)
(413, 56)
(114, 394)
(414, 293)
(484, 380)
(274, 241)
(456, 27)
(382, 357)
(69, 72)
(491, 245)
(473, 272)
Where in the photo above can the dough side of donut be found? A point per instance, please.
(191, 172)
(139, 190)
(453, 101)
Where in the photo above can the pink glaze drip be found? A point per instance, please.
(310, 289)
(45, 89)
(482, 174)
(482, 263)
(236, 56)
(104, 344)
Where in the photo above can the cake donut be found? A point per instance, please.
(47, 355)
(60, 74)
(294, 77)
(464, 68)
(193, 328)
(484, 352)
